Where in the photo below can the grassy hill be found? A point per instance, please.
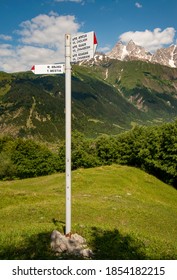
(123, 213)
(107, 98)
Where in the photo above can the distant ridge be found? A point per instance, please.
(132, 51)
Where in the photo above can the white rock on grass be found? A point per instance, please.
(75, 244)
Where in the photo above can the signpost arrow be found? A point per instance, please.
(95, 43)
(48, 69)
(83, 46)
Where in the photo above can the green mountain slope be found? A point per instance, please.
(107, 97)
(123, 213)
(151, 88)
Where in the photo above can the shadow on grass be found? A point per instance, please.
(105, 244)
(35, 247)
(112, 245)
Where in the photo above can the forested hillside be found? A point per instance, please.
(152, 149)
(108, 97)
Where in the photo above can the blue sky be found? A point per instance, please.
(32, 32)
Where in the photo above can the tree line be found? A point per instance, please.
(153, 149)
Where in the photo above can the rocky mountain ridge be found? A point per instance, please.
(131, 51)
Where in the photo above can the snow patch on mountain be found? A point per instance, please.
(131, 51)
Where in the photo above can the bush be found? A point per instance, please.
(152, 149)
(7, 168)
(83, 152)
(32, 159)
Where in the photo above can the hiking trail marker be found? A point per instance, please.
(77, 48)
(83, 46)
(48, 69)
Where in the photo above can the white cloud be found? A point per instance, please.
(104, 49)
(5, 37)
(138, 5)
(150, 40)
(22, 58)
(6, 50)
(41, 40)
(47, 30)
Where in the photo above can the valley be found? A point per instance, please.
(108, 97)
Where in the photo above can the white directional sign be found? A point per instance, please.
(83, 46)
(48, 69)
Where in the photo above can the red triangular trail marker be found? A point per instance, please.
(95, 40)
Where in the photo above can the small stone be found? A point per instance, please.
(78, 238)
(53, 235)
(87, 253)
(63, 247)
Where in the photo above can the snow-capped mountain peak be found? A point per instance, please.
(132, 51)
(166, 56)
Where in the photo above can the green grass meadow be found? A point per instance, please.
(123, 212)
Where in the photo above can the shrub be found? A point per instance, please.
(32, 159)
(7, 168)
